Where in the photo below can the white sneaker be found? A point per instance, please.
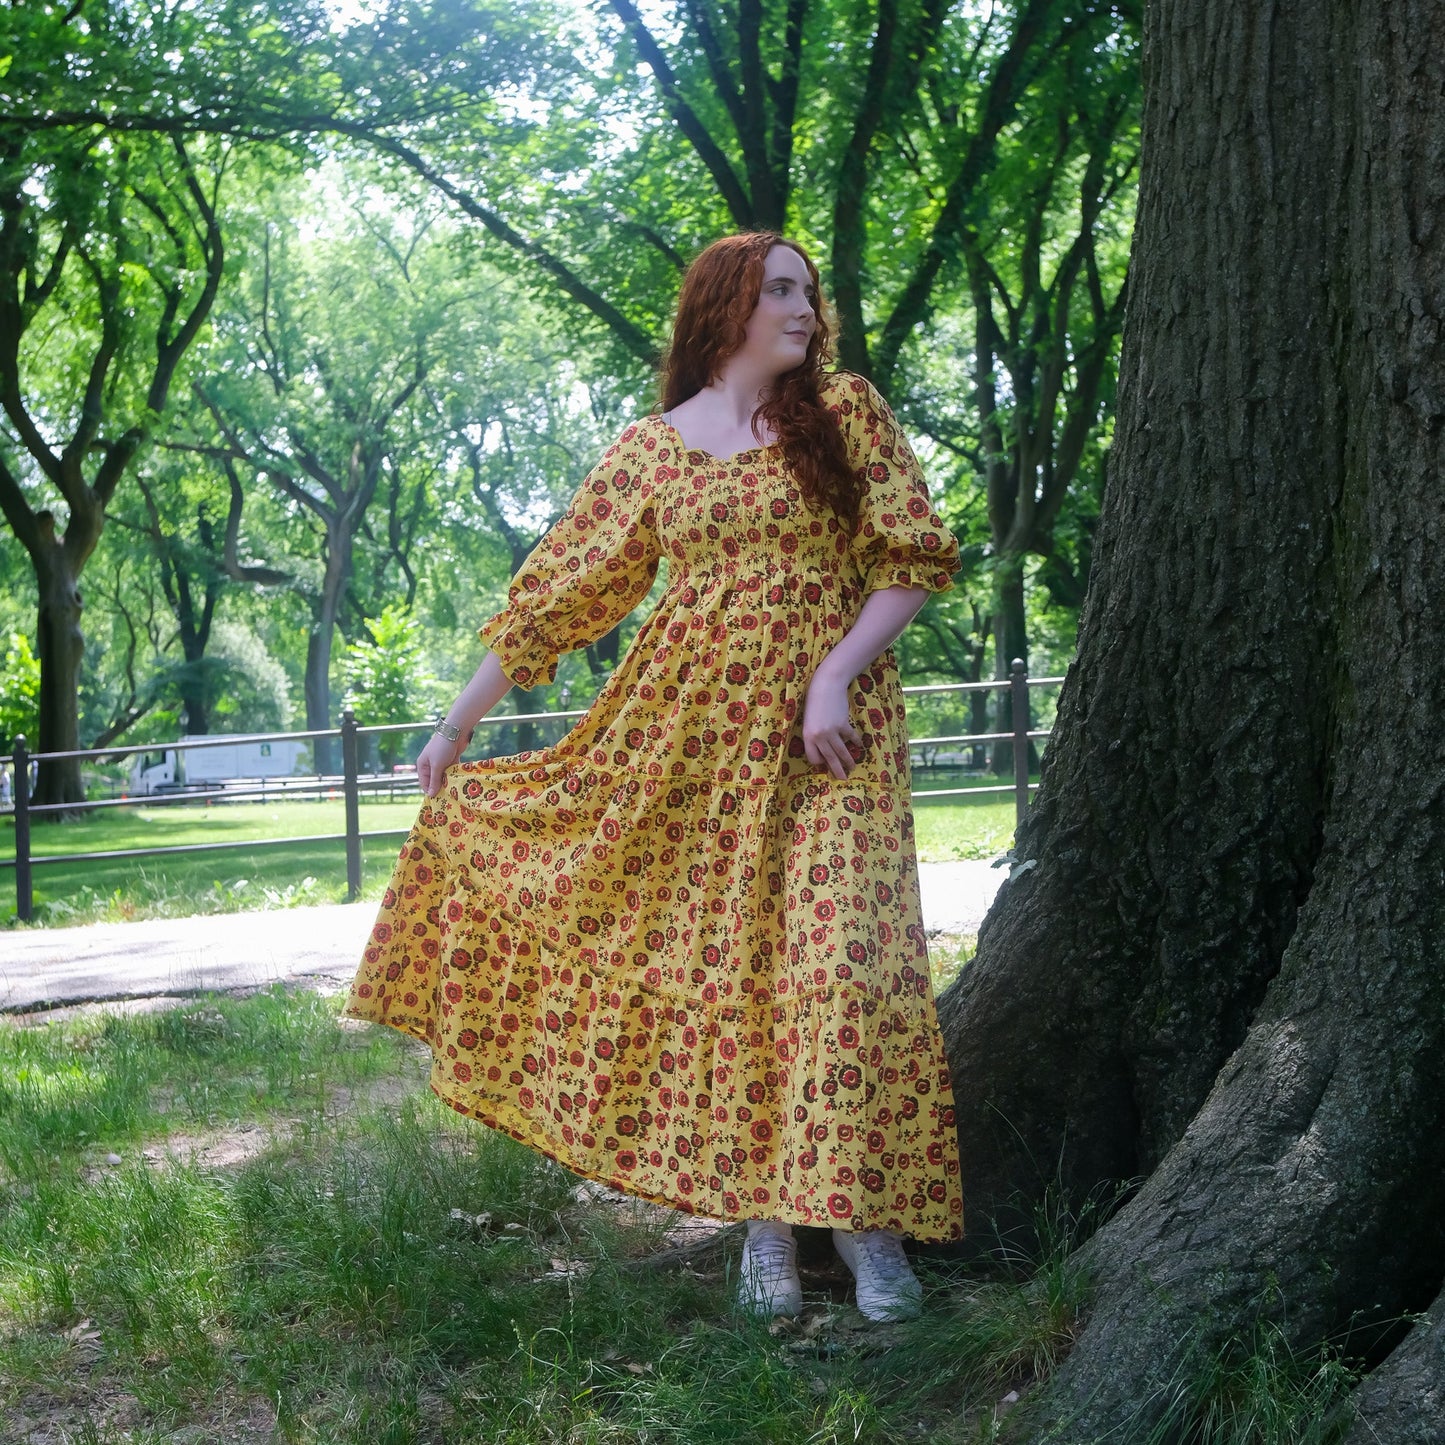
(887, 1287)
(768, 1281)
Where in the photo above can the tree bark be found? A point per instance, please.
(1403, 1402)
(1223, 973)
(61, 649)
(1011, 640)
(325, 608)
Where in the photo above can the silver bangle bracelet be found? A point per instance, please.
(449, 731)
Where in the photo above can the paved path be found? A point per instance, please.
(50, 967)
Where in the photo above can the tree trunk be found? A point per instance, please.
(61, 651)
(1011, 640)
(197, 705)
(317, 684)
(1223, 973)
(977, 723)
(195, 689)
(326, 607)
(194, 624)
(1403, 1402)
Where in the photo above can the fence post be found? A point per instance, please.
(24, 897)
(351, 792)
(1019, 705)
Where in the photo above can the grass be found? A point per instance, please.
(223, 882)
(280, 876)
(947, 832)
(1256, 1389)
(299, 1244)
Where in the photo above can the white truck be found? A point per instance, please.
(168, 770)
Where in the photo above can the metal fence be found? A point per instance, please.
(351, 783)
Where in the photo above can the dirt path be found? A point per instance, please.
(45, 968)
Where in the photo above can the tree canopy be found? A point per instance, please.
(412, 267)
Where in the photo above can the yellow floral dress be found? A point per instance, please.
(668, 951)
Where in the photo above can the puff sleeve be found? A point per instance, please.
(590, 570)
(901, 541)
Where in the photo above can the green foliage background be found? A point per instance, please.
(19, 688)
(453, 230)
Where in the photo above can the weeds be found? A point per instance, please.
(1256, 1390)
(179, 886)
(152, 892)
(378, 1269)
(1003, 1327)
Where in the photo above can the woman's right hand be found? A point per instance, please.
(434, 760)
(489, 685)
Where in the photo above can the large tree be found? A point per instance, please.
(598, 154)
(185, 519)
(115, 122)
(1222, 977)
(969, 175)
(110, 260)
(323, 350)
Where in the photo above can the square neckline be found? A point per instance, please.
(703, 451)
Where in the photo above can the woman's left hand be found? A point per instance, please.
(828, 736)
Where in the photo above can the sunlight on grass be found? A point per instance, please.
(947, 956)
(280, 876)
(292, 874)
(381, 1269)
(954, 831)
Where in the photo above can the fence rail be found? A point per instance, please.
(350, 784)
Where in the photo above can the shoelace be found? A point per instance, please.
(884, 1257)
(768, 1254)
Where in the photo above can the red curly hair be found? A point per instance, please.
(719, 293)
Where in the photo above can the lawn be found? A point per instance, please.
(245, 1220)
(947, 830)
(280, 875)
(215, 882)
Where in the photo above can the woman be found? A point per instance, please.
(681, 951)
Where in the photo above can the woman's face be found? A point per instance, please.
(783, 321)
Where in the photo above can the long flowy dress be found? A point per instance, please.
(669, 951)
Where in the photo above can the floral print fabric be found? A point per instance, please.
(668, 951)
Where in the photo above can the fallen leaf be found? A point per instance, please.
(567, 1269)
(477, 1223)
(83, 1334)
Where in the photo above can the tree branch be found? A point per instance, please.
(1015, 67)
(712, 53)
(739, 204)
(92, 410)
(769, 190)
(850, 227)
(632, 337)
(785, 93)
(36, 296)
(233, 568)
(23, 522)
